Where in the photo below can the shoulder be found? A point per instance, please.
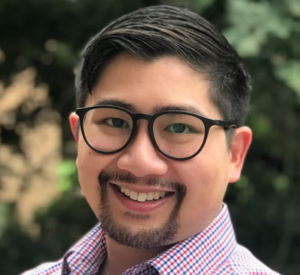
(87, 249)
(243, 262)
(51, 268)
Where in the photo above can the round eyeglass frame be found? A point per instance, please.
(208, 123)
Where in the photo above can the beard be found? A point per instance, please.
(146, 238)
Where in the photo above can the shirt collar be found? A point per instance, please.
(197, 255)
(201, 253)
(87, 255)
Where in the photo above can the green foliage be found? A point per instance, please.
(4, 217)
(67, 174)
(200, 6)
(17, 250)
(252, 22)
(60, 226)
(289, 72)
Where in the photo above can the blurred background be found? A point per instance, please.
(42, 211)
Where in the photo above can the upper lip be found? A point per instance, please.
(143, 188)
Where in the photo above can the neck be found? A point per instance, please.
(121, 257)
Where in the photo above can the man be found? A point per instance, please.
(162, 98)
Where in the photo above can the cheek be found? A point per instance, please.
(86, 163)
(205, 179)
(201, 173)
(88, 180)
(90, 164)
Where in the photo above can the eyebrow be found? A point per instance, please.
(115, 102)
(156, 110)
(183, 108)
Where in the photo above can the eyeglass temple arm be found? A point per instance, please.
(226, 124)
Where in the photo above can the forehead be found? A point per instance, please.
(148, 85)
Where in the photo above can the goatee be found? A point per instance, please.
(146, 238)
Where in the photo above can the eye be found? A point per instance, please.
(179, 128)
(115, 122)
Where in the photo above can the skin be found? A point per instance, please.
(146, 85)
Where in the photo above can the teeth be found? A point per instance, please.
(156, 195)
(162, 194)
(150, 196)
(142, 196)
(133, 195)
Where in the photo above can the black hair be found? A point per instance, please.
(156, 31)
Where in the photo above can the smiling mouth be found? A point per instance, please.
(142, 197)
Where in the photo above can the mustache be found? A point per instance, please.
(107, 176)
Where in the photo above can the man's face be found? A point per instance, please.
(195, 187)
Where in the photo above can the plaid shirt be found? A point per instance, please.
(212, 251)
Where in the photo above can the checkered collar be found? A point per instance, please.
(201, 253)
(197, 255)
(86, 256)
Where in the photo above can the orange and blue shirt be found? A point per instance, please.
(213, 251)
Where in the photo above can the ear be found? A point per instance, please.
(239, 147)
(74, 120)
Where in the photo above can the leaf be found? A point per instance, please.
(281, 182)
(200, 5)
(293, 7)
(251, 24)
(289, 72)
(66, 173)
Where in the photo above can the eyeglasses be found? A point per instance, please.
(178, 135)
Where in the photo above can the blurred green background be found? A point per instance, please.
(42, 211)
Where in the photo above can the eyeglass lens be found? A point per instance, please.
(176, 135)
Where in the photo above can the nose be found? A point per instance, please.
(140, 157)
